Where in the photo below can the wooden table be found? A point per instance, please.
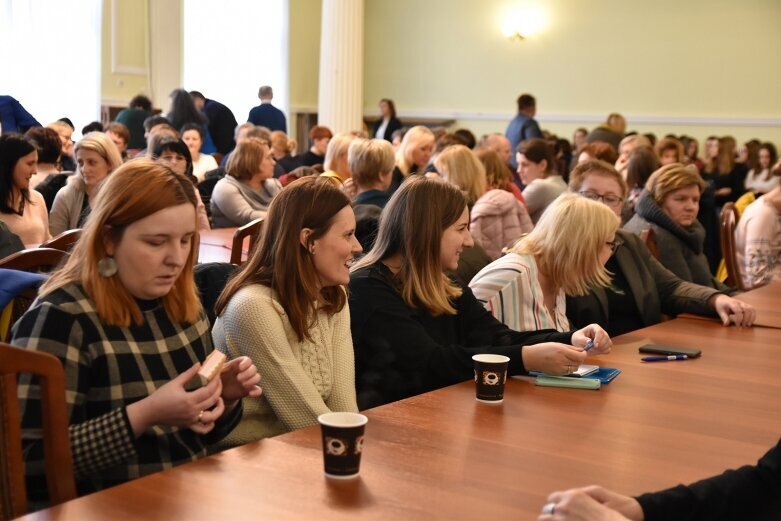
(767, 300)
(215, 245)
(443, 455)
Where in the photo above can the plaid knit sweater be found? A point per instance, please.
(106, 369)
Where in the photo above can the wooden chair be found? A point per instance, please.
(34, 259)
(56, 441)
(251, 230)
(63, 241)
(728, 224)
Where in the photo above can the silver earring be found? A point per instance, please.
(107, 267)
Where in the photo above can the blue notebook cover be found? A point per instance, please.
(603, 374)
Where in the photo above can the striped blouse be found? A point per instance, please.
(510, 290)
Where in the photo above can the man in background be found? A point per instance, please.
(266, 114)
(139, 109)
(222, 122)
(523, 126)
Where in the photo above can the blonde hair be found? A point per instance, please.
(459, 166)
(337, 147)
(136, 190)
(368, 158)
(567, 240)
(412, 225)
(412, 139)
(102, 145)
(673, 177)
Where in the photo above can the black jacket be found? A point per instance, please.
(401, 352)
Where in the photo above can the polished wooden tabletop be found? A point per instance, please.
(215, 245)
(767, 300)
(442, 455)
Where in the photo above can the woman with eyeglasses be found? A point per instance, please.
(642, 289)
(668, 206)
(564, 254)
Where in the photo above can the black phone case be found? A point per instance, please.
(668, 350)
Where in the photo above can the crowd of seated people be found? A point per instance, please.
(461, 246)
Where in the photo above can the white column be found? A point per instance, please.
(340, 98)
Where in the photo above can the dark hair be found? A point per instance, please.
(526, 101)
(177, 146)
(95, 126)
(448, 140)
(13, 147)
(191, 126)
(770, 147)
(467, 137)
(153, 121)
(197, 94)
(265, 92)
(281, 262)
(536, 150)
(141, 102)
(391, 106)
(68, 122)
(48, 143)
(643, 162)
(183, 110)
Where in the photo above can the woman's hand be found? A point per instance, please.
(552, 358)
(349, 188)
(733, 310)
(590, 504)
(239, 378)
(172, 405)
(602, 342)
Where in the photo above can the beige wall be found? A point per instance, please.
(667, 60)
(695, 66)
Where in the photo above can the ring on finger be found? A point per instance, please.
(549, 508)
(200, 417)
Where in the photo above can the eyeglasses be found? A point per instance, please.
(609, 199)
(614, 244)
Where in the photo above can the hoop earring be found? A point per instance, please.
(107, 267)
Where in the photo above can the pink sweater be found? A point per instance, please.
(498, 219)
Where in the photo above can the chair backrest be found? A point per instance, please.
(56, 442)
(251, 230)
(649, 238)
(34, 259)
(63, 241)
(729, 222)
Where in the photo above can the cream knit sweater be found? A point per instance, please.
(300, 380)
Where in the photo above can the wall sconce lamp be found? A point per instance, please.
(523, 22)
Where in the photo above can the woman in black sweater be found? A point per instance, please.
(414, 329)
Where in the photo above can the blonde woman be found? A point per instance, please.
(337, 170)
(565, 254)
(497, 219)
(413, 155)
(414, 328)
(96, 157)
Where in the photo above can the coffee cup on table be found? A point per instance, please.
(490, 377)
(342, 434)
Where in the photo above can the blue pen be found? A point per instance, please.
(589, 346)
(664, 358)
